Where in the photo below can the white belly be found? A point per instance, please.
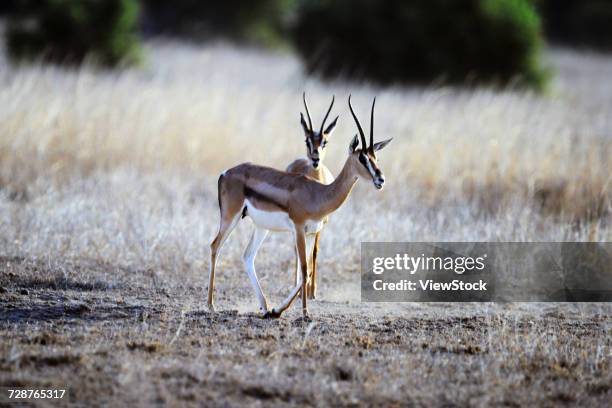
(271, 220)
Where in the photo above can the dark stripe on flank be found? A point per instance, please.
(250, 193)
(219, 190)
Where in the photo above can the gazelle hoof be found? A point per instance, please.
(271, 314)
(311, 291)
(211, 307)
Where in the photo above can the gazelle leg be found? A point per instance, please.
(312, 284)
(277, 311)
(300, 243)
(249, 263)
(225, 229)
(309, 245)
(296, 269)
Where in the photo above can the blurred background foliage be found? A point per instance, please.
(468, 41)
(421, 40)
(255, 22)
(578, 23)
(69, 31)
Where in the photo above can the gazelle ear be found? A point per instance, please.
(380, 145)
(332, 126)
(354, 144)
(304, 125)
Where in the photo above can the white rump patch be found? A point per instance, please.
(312, 227)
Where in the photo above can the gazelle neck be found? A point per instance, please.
(336, 193)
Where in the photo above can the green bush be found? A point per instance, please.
(259, 22)
(68, 31)
(585, 23)
(492, 41)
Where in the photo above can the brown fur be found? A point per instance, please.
(300, 197)
(303, 166)
(304, 199)
(322, 175)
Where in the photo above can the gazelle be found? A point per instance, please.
(282, 201)
(316, 142)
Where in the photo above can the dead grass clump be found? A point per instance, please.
(53, 360)
(454, 349)
(45, 339)
(154, 347)
(576, 200)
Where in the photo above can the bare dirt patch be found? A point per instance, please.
(127, 344)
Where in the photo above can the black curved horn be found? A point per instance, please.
(327, 114)
(361, 134)
(307, 111)
(372, 126)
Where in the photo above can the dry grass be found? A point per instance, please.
(188, 105)
(122, 166)
(108, 204)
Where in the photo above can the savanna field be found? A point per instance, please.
(108, 204)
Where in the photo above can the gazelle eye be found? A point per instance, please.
(363, 160)
(324, 143)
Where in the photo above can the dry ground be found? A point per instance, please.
(134, 342)
(108, 204)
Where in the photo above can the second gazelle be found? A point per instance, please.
(312, 167)
(283, 201)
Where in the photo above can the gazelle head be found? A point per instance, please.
(367, 166)
(316, 141)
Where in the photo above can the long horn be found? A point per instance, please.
(372, 126)
(327, 114)
(361, 135)
(307, 111)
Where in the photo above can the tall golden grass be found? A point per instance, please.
(206, 109)
(465, 164)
